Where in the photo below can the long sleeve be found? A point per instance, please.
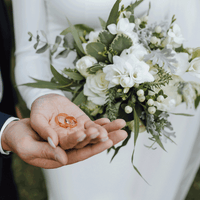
(30, 16)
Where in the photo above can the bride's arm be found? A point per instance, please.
(30, 16)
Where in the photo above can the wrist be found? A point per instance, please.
(5, 148)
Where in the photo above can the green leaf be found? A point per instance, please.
(120, 43)
(94, 68)
(74, 75)
(132, 7)
(76, 38)
(139, 174)
(63, 54)
(59, 77)
(43, 49)
(159, 142)
(183, 114)
(44, 34)
(68, 42)
(106, 37)
(44, 84)
(94, 48)
(58, 40)
(79, 28)
(136, 126)
(103, 23)
(80, 98)
(196, 53)
(114, 14)
(31, 36)
(196, 102)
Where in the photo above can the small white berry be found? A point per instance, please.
(160, 98)
(153, 40)
(128, 109)
(152, 110)
(136, 85)
(158, 29)
(140, 93)
(150, 102)
(137, 21)
(141, 98)
(145, 18)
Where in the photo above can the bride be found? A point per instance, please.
(168, 173)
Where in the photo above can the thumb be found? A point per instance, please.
(40, 124)
(44, 151)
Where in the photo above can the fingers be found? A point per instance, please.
(117, 136)
(71, 140)
(77, 155)
(41, 125)
(102, 121)
(115, 125)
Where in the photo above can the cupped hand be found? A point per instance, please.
(46, 108)
(20, 138)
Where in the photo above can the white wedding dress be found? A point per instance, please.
(170, 173)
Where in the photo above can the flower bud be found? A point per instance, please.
(151, 93)
(140, 92)
(150, 102)
(136, 85)
(158, 29)
(145, 18)
(128, 109)
(190, 50)
(160, 98)
(126, 89)
(151, 110)
(158, 42)
(137, 21)
(119, 90)
(153, 40)
(141, 98)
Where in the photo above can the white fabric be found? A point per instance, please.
(169, 173)
(10, 119)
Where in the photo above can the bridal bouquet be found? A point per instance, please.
(128, 69)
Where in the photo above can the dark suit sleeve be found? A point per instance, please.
(3, 118)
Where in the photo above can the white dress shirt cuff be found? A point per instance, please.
(2, 129)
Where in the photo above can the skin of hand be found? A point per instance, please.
(47, 107)
(20, 138)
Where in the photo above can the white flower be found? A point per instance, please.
(160, 98)
(189, 94)
(175, 37)
(141, 98)
(194, 68)
(145, 18)
(158, 29)
(182, 64)
(125, 27)
(84, 63)
(127, 14)
(137, 50)
(127, 72)
(128, 109)
(173, 98)
(96, 87)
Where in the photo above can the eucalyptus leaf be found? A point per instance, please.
(114, 14)
(63, 54)
(44, 34)
(76, 38)
(120, 43)
(58, 40)
(31, 36)
(106, 37)
(68, 41)
(43, 49)
(94, 48)
(103, 23)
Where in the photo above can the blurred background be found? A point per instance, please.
(30, 181)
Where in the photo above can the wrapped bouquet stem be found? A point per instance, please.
(129, 69)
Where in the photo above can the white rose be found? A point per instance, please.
(137, 50)
(96, 87)
(194, 68)
(125, 27)
(182, 64)
(175, 37)
(127, 72)
(84, 63)
(189, 95)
